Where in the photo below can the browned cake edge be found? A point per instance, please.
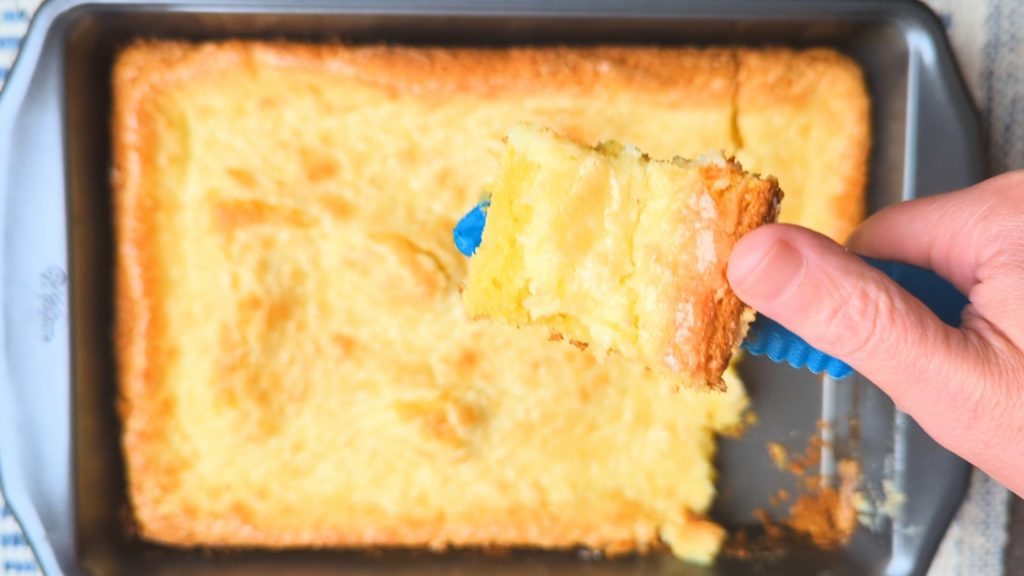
(725, 317)
(774, 77)
(139, 282)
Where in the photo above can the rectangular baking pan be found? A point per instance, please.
(60, 463)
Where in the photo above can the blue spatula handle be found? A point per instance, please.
(769, 338)
(470, 229)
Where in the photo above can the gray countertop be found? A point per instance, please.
(1014, 559)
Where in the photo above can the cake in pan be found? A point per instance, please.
(296, 367)
(619, 252)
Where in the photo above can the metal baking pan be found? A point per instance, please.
(60, 462)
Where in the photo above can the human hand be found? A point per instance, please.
(964, 386)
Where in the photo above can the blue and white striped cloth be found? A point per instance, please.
(15, 555)
(14, 16)
(986, 36)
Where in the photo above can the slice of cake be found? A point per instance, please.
(618, 252)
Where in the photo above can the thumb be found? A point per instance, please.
(844, 307)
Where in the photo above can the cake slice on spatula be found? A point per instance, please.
(617, 252)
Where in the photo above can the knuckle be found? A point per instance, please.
(859, 321)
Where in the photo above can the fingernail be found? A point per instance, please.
(762, 277)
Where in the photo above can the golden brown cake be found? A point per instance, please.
(295, 364)
(619, 252)
(804, 117)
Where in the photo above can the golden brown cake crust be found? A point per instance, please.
(721, 312)
(141, 351)
(816, 102)
(185, 492)
(678, 75)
